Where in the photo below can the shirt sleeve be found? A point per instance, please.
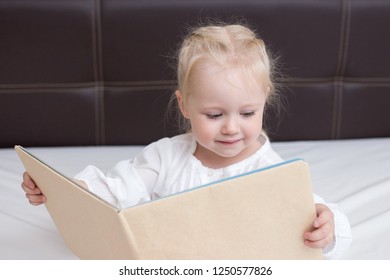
(129, 182)
(342, 232)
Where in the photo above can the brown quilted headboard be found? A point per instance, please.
(97, 72)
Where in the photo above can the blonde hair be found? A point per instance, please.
(224, 45)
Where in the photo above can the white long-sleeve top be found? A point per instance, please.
(168, 166)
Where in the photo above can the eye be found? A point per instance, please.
(213, 116)
(248, 114)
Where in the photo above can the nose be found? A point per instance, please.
(230, 126)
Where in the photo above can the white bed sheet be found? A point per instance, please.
(353, 173)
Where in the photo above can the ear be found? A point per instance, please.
(182, 106)
(268, 90)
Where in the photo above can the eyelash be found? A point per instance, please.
(213, 116)
(216, 116)
(248, 114)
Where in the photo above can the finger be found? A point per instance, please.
(318, 234)
(317, 244)
(36, 199)
(324, 215)
(28, 182)
(318, 238)
(28, 190)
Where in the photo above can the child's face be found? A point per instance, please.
(225, 108)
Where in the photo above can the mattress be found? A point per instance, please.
(355, 174)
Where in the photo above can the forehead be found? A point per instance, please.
(228, 88)
(207, 77)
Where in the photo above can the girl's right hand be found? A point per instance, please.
(33, 193)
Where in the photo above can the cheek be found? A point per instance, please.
(255, 126)
(202, 129)
(199, 124)
(260, 120)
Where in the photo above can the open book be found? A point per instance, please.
(262, 214)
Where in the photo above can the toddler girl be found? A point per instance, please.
(224, 84)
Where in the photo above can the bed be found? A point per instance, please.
(88, 82)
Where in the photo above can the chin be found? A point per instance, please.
(229, 155)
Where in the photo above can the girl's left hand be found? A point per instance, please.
(323, 232)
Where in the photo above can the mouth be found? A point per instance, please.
(228, 142)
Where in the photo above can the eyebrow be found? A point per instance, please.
(248, 106)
